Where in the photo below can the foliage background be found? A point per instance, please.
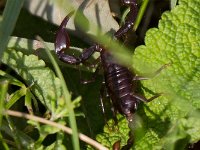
(171, 121)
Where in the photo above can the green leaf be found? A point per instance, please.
(176, 41)
(11, 79)
(113, 133)
(44, 131)
(15, 97)
(171, 118)
(40, 79)
(24, 140)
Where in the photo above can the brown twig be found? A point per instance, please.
(54, 124)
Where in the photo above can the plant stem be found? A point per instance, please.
(67, 97)
(140, 14)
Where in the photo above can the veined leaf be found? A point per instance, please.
(176, 42)
(42, 81)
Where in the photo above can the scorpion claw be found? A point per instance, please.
(62, 38)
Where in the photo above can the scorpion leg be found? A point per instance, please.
(130, 20)
(116, 145)
(157, 72)
(129, 144)
(114, 112)
(102, 92)
(105, 95)
(94, 76)
(144, 99)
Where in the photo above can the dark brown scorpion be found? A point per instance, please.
(118, 79)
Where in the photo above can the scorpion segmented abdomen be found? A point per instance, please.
(119, 83)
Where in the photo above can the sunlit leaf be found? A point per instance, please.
(42, 80)
(173, 115)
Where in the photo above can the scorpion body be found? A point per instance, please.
(118, 79)
(119, 82)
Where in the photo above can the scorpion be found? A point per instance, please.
(118, 79)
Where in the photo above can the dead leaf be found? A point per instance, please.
(96, 12)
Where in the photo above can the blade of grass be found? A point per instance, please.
(173, 3)
(29, 46)
(16, 96)
(11, 79)
(10, 15)
(3, 142)
(3, 89)
(14, 132)
(28, 102)
(67, 96)
(140, 14)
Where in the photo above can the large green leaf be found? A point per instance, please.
(42, 81)
(173, 118)
(175, 42)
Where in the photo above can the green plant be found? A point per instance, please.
(170, 121)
